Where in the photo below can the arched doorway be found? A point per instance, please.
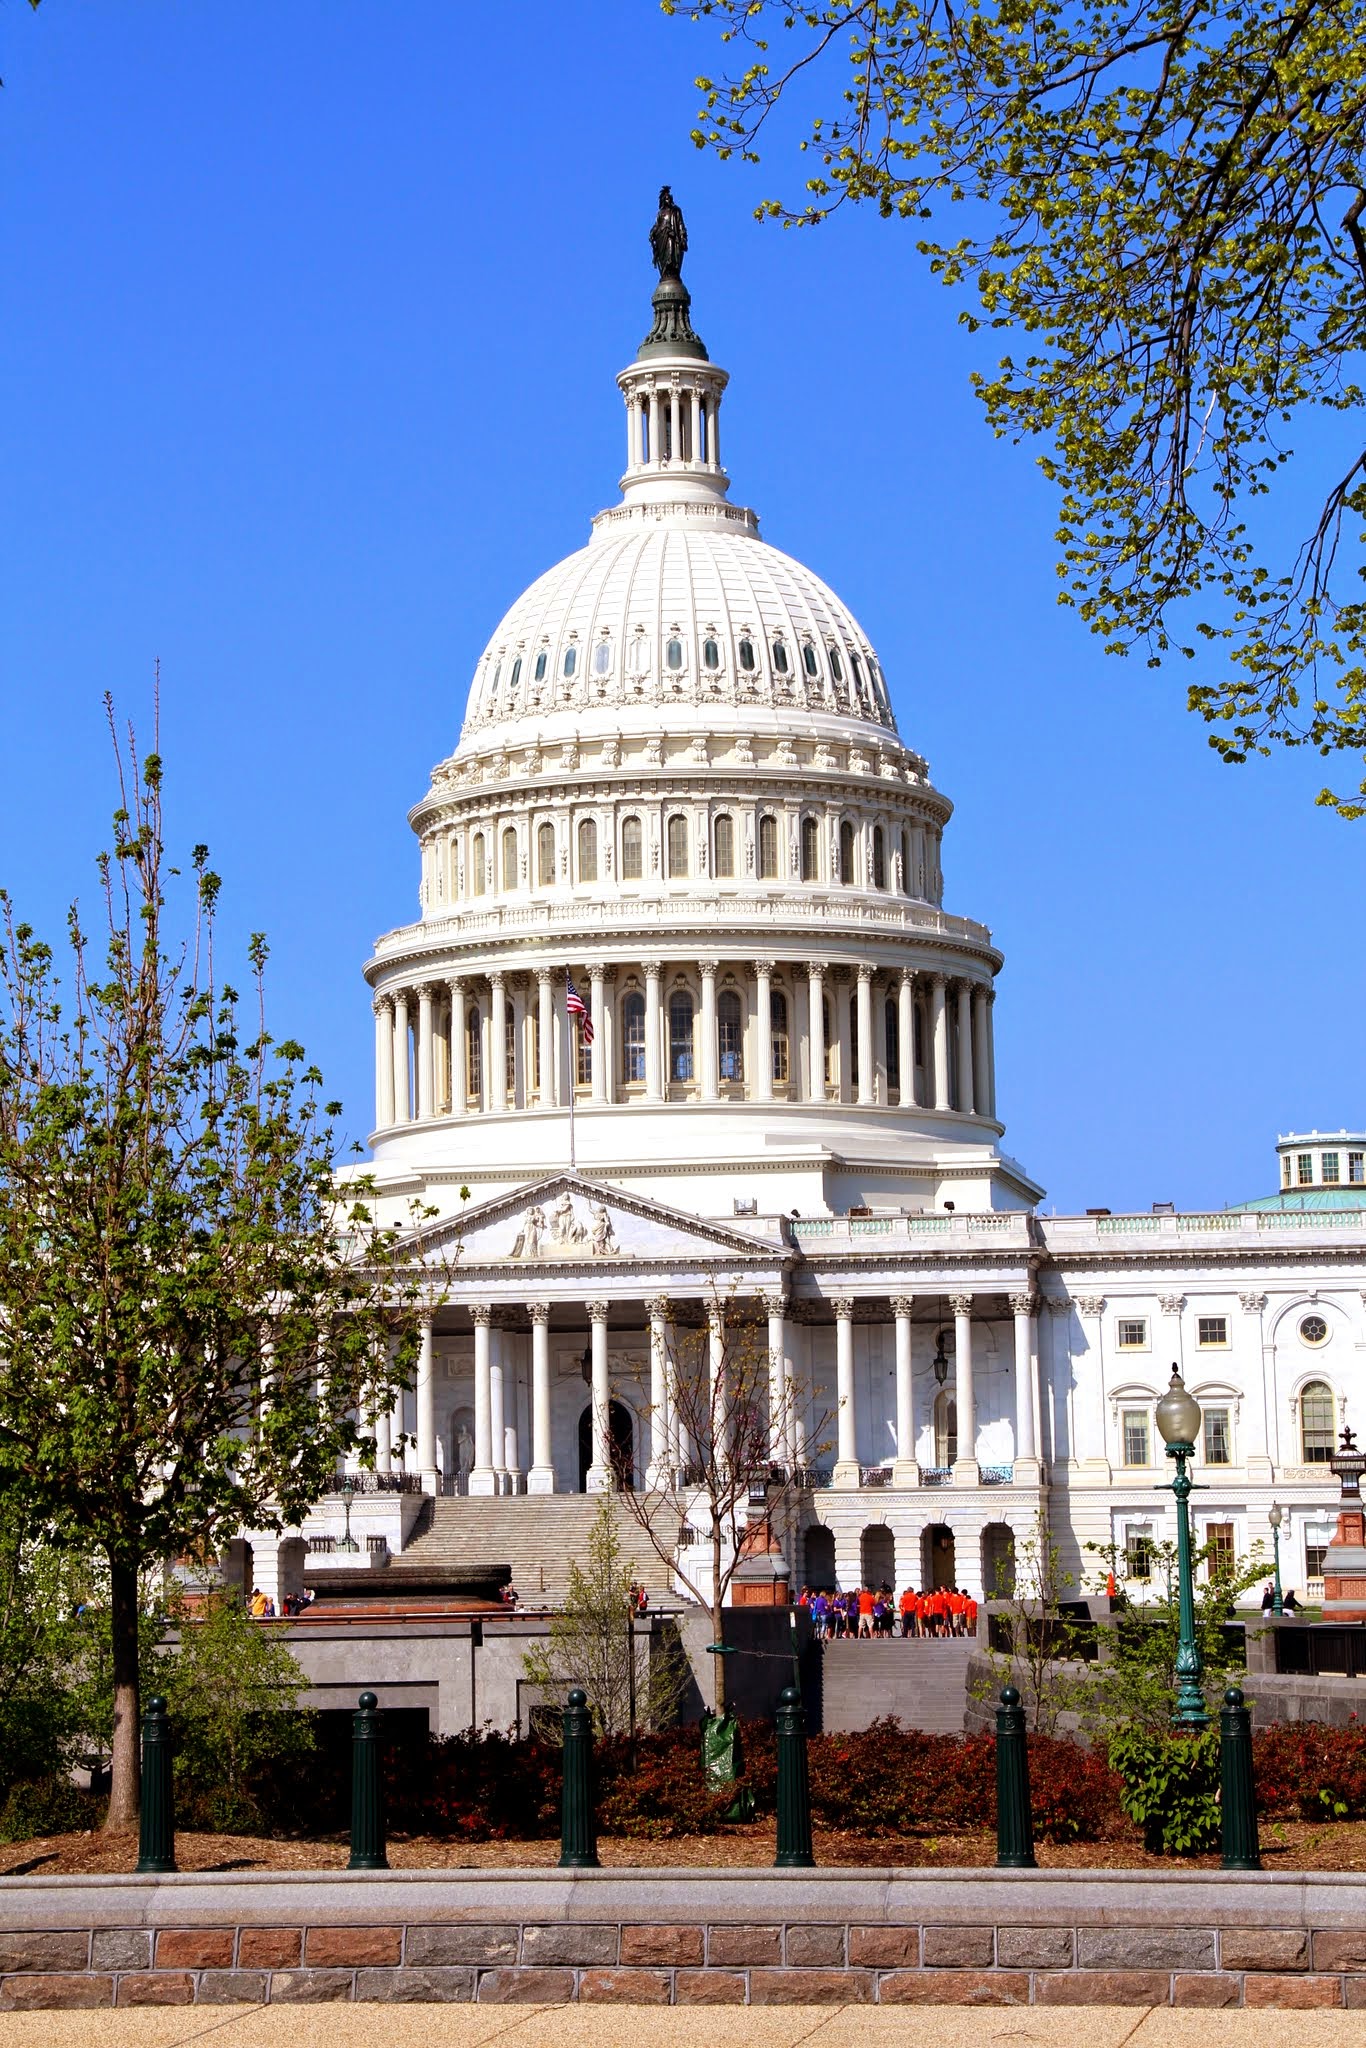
(998, 1561)
(818, 1558)
(937, 1557)
(877, 1556)
(622, 1438)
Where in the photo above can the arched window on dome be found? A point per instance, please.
(825, 1037)
(478, 865)
(711, 654)
(673, 655)
(746, 653)
(509, 857)
(680, 1036)
(811, 849)
(768, 848)
(809, 662)
(859, 684)
(879, 858)
(545, 855)
(633, 1037)
(588, 850)
(846, 873)
(678, 848)
(602, 657)
(1318, 1423)
(515, 677)
(879, 684)
(906, 863)
(777, 1014)
(723, 847)
(836, 665)
(780, 657)
(474, 1053)
(539, 671)
(497, 677)
(632, 850)
(730, 1036)
(891, 1038)
(571, 660)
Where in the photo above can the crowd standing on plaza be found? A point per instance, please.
(876, 1611)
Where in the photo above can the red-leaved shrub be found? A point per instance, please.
(1310, 1771)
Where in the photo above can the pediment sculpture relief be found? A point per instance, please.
(564, 1233)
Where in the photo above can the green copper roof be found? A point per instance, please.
(1306, 1198)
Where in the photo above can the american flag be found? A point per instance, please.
(575, 1006)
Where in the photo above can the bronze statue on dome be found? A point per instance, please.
(668, 236)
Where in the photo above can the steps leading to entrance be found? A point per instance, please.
(537, 1535)
(923, 1682)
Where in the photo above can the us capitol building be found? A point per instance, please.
(680, 786)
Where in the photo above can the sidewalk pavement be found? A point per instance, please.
(616, 2026)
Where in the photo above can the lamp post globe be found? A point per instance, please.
(1276, 1515)
(1178, 1420)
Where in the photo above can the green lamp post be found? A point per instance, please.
(1178, 1421)
(1276, 1516)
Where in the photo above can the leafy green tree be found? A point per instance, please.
(41, 1591)
(1048, 1647)
(190, 1326)
(1166, 198)
(233, 1689)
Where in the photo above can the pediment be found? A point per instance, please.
(568, 1219)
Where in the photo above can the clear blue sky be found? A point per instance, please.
(311, 316)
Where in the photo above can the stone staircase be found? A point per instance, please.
(922, 1681)
(536, 1535)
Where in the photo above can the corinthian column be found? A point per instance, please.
(402, 1102)
(459, 1082)
(815, 981)
(762, 1090)
(597, 1051)
(965, 1401)
(939, 1038)
(1023, 1308)
(981, 1055)
(600, 1471)
(965, 1090)
(483, 1478)
(905, 1034)
(384, 1062)
(545, 1034)
(654, 1091)
(426, 1052)
(426, 1406)
(867, 1072)
(496, 1086)
(905, 1470)
(710, 1086)
(846, 1472)
(541, 1477)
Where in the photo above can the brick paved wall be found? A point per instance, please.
(686, 1938)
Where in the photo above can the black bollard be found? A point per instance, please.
(367, 1796)
(1014, 1819)
(156, 1820)
(1237, 1791)
(794, 1785)
(578, 1820)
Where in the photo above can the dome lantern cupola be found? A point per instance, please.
(672, 389)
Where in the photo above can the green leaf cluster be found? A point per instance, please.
(232, 1689)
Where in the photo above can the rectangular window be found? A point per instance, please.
(1304, 1168)
(1211, 1331)
(1356, 1168)
(1219, 1547)
(1329, 1169)
(1133, 1333)
(1218, 1437)
(1135, 1427)
(583, 1061)
(1314, 1556)
(1285, 1169)
(1138, 1552)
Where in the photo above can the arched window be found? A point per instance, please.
(632, 850)
(858, 675)
(711, 654)
(588, 850)
(474, 1051)
(633, 1037)
(673, 654)
(571, 660)
(680, 1036)
(768, 847)
(747, 654)
(723, 846)
(811, 849)
(1318, 1420)
(545, 855)
(539, 670)
(846, 874)
(510, 1057)
(780, 657)
(509, 857)
(853, 1043)
(478, 858)
(730, 1036)
(516, 676)
(893, 1043)
(879, 858)
(777, 1013)
(602, 658)
(945, 1431)
(497, 675)
(809, 659)
(836, 665)
(825, 1037)
(906, 863)
(678, 848)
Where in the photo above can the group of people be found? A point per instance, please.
(262, 1608)
(876, 1611)
(639, 1601)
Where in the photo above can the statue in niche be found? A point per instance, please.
(604, 1237)
(668, 236)
(528, 1245)
(464, 1456)
(565, 1229)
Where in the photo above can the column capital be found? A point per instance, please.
(456, 984)
(938, 980)
(865, 970)
(961, 1304)
(546, 975)
(902, 1305)
(843, 1305)
(1058, 1304)
(1171, 1304)
(597, 1311)
(497, 977)
(653, 969)
(775, 1302)
(596, 970)
(1252, 1304)
(1091, 1304)
(707, 969)
(816, 969)
(657, 1307)
(539, 1311)
(428, 991)
(481, 1314)
(383, 1006)
(401, 996)
(906, 976)
(1023, 1304)
(763, 968)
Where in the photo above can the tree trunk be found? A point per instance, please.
(717, 1613)
(125, 1769)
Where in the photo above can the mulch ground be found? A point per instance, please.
(1286, 1845)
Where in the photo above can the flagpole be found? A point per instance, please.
(573, 1081)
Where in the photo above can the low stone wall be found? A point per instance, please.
(696, 1937)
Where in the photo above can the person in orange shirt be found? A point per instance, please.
(907, 1604)
(866, 1603)
(971, 1615)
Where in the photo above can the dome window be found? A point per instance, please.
(545, 855)
(747, 655)
(602, 658)
(539, 670)
(633, 1038)
(780, 657)
(673, 654)
(879, 858)
(711, 654)
(678, 848)
(906, 863)
(723, 843)
(588, 850)
(892, 1039)
(809, 659)
(768, 848)
(477, 865)
(632, 851)
(836, 665)
(858, 677)
(497, 675)
(515, 677)
(474, 1042)
(730, 1036)
(846, 873)
(510, 858)
(680, 1036)
(571, 660)
(811, 849)
(777, 1025)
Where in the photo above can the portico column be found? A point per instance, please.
(541, 1477)
(597, 1051)
(905, 1469)
(656, 445)
(1023, 1308)
(815, 974)
(426, 1052)
(384, 1062)
(905, 1035)
(483, 1479)
(384, 1438)
(779, 1434)
(762, 1091)
(939, 1038)
(991, 1053)
(426, 1406)
(981, 1065)
(966, 1097)
(710, 1087)
(661, 1420)
(653, 1090)
(675, 425)
(696, 396)
(402, 1104)
(497, 1409)
(600, 1470)
(545, 1034)
(496, 1090)
(846, 1472)
(965, 1402)
(867, 1072)
(459, 1081)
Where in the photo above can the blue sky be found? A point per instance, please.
(312, 315)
